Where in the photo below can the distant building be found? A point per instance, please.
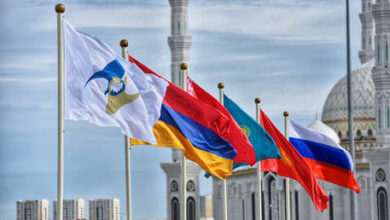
(32, 210)
(104, 209)
(206, 207)
(72, 209)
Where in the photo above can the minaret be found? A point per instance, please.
(367, 51)
(381, 71)
(180, 43)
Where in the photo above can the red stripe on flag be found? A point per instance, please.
(334, 174)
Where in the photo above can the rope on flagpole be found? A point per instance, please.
(287, 180)
(60, 9)
(183, 68)
(221, 86)
(124, 44)
(259, 177)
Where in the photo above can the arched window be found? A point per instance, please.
(379, 118)
(175, 209)
(243, 209)
(369, 132)
(388, 117)
(340, 134)
(364, 43)
(387, 52)
(369, 6)
(369, 41)
(272, 198)
(358, 133)
(331, 217)
(178, 26)
(378, 53)
(180, 78)
(262, 205)
(296, 205)
(253, 198)
(191, 208)
(382, 204)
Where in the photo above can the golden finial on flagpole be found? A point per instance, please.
(60, 8)
(285, 114)
(221, 85)
(183, 66)
(124, 43)
(257, 100)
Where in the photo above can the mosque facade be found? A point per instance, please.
(371, 112)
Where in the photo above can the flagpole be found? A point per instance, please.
(287, 191)
(350, 116)
(259, 181)
(221, 86)
(60, 9)
(124, 45)
(183, 68)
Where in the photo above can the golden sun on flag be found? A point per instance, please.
(286, 159)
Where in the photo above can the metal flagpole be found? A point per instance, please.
(183, 68)
(221, 86)
(259, 181)
(60, 9)
(287, 190)
(350, 116)
(124, 45)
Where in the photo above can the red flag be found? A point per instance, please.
(235, 135)
(293, 165)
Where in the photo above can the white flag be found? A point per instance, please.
(108, 90)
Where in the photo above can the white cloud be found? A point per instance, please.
(28, 80)
(27, 62)
(317, 21)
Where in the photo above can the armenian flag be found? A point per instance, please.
(236, 136)
(194, 127)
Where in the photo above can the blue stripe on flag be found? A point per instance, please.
(200, 136)
(321, 152)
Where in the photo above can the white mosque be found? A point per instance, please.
(371, 111)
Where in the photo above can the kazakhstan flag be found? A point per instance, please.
(263, 143)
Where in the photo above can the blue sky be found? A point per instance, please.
(289, 53)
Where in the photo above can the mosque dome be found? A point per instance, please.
(363, 90)
(335, 110)
(324, 129)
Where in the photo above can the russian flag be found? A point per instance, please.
(328, 160)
